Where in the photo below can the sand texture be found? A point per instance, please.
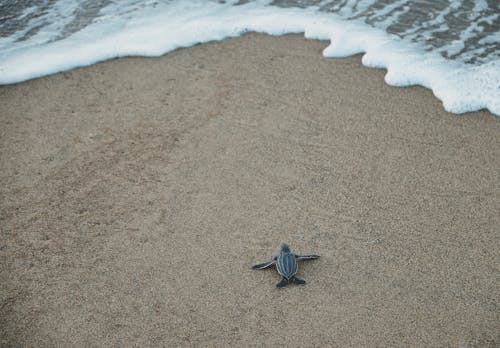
(135, 195)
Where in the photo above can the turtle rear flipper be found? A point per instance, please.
(296, 280)
(284, 282)
(307, 257)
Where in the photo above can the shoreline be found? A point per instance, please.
(137, 192)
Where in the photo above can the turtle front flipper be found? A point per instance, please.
(284, 282)
(264, 264)
(307, 257)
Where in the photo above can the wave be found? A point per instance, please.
(139, 28)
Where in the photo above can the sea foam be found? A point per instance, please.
(154, 31)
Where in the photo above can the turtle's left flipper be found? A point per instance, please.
(307, 257)
(264, 265)
(284, 282)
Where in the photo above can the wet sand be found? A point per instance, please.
(135, 195)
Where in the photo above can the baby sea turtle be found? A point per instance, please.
(286, 264)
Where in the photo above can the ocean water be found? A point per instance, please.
(449, 46)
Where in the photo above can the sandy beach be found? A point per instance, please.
(135, 194)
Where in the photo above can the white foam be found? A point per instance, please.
(148, 31)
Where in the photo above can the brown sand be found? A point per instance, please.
(136, 193)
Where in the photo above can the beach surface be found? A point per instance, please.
(135, 194)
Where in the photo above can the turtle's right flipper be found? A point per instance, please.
(307, 257)
(284, 282)
(296, 280)
(264, 265)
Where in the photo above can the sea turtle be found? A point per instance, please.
(286, 264)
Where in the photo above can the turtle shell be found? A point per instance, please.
(287, 265)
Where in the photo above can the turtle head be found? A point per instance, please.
(285, 248)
